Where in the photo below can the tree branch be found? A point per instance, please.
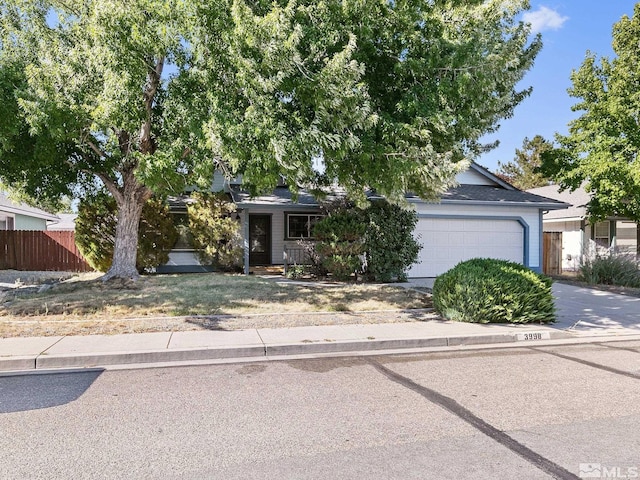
(98, 151)
(151, 88)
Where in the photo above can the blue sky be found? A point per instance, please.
(569, 28)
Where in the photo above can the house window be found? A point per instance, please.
(6, 223)
(602, 234)
(300, 225)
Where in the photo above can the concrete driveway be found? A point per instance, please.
(581, 310)
(590, 311)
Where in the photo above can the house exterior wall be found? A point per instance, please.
(471, 177)
(575, 242)
(572, 241)
(493, 215)
(626, 237)
(24, 222)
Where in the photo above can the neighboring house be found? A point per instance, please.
(20, 216)
(67, 223)
(579, 237)
(482, 217)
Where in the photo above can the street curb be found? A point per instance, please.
(265, 351)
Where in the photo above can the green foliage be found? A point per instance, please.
(87, 105)
(391, 95)
(602, 150)
(377, 240)
(296, 271)
(389, 242)
(523, 172)
(96, 227)
(95, 230)
(486, 290)
(340, 242)
(215, 231)
(610, 269)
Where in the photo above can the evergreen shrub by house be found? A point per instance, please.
(389, 243)
(377, 241)
(484, 290)
(96, 230)
(340, 242)
(215, 230)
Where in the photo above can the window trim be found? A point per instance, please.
(597, 237)
(288, 215)
(10, 221)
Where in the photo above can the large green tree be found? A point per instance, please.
(523, 171)
(602, 149)
(386, 95)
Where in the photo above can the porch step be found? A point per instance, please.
(267, 270)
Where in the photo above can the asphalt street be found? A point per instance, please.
(562, 412)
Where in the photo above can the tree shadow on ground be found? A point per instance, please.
(21, 393)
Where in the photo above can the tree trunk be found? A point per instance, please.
(130, 204)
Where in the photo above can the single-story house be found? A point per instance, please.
(20, 216)
(579, 236)
(482, 217)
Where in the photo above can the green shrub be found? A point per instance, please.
(377, 241)
(486, 290)
(389, 242)
(96, 228)
(296, 271)
(215, 231)
(610, 270)
(340, 242)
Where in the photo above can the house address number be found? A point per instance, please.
(533, 336)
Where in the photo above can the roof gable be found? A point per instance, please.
(478, 175)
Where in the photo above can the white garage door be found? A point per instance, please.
(447, 242)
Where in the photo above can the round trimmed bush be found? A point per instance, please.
(486, 290)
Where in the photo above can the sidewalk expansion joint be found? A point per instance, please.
(264, 344)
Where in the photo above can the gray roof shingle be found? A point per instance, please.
(577, 200)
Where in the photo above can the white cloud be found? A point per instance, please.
(544, 19)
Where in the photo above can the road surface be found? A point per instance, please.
(514, 413)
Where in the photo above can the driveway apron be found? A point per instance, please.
(589, 311)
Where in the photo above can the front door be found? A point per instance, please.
(259, 239)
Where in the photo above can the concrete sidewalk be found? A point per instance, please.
(583, 315)
(203, 345)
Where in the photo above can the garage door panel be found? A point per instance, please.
(447, 242)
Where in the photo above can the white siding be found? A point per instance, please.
(471, 177)
(626, 237)
(572, 242)
(182, 257)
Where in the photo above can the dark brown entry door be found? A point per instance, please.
(259, 239)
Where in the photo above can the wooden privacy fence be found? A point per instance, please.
(552, 253)
(40, 250)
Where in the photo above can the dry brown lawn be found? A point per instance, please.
(202, 301)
